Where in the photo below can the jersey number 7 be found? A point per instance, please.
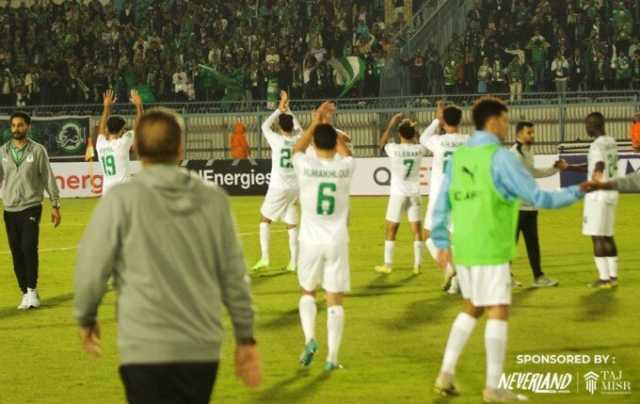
(409, 164)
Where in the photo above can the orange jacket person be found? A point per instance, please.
(635, 132)
(239, 145)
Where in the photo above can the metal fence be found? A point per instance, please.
(556, 123)
(360, 104)
(558, 119)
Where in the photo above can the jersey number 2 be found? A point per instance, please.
(109, 165)
(285, 158)
(326, 204)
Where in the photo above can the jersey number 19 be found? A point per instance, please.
(109, 165)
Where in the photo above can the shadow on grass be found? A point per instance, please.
(599, 304)
(50, 303)
(422, 311)
(282, 393)
(381, 282)
(290, 317)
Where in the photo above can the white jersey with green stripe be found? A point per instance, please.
(114, 159)
(406, 159)
(604, 149)
(325, 186)
(442, 147)
(282, 174)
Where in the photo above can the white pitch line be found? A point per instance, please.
(46, 250)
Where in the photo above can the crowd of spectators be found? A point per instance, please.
(71, 52)
(516, 46)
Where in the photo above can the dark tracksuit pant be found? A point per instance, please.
(170, 383)
(23, 230)
(528, 225)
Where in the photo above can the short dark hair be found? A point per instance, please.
(19, 114)
(115, 124)
(523, 124)
(325, 137)
(159, 135)
(452, 116)
(486, 108)
(286, 122)
(595, 123)
(407, 130)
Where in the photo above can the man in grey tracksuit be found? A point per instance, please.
(528, 219)
(168, 241)
(25, 173)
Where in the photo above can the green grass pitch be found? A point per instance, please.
(395, 331)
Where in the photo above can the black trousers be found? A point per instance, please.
(23, 232)
(169, 383)
(528, 225)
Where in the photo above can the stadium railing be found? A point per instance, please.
(558, 119)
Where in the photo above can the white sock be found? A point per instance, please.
(433, 250)
(308, 310)
(388, 252)
(417, 254)
(293, 246)
(495, 341)
(612, 264)
(602, 263)
(335, 325)
(264, 241)
(458, 336)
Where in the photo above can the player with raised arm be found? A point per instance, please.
(282, 195)
(114, 142)
(406, 159)
(442, 146)
(325, 182)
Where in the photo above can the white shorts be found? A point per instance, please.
(280, 204)
(399, 203)
(599, 217)
(325, 265)
(488, 285)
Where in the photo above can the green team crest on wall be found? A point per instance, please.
(70, 139)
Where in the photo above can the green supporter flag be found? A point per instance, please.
(351, 71)
(145, 93)
(143, 89)
(233, 83)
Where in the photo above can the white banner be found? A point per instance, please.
(373, 176)
(82, 180)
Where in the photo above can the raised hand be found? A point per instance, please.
(284, 101)
(135, 98)
(109, 98)
(440, 110)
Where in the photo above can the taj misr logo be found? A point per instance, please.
(70, 137)
(591, 382)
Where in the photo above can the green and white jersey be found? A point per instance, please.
(405, 168)
(604, 149)
(282, 174)
(325, 186)
(114, 158)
